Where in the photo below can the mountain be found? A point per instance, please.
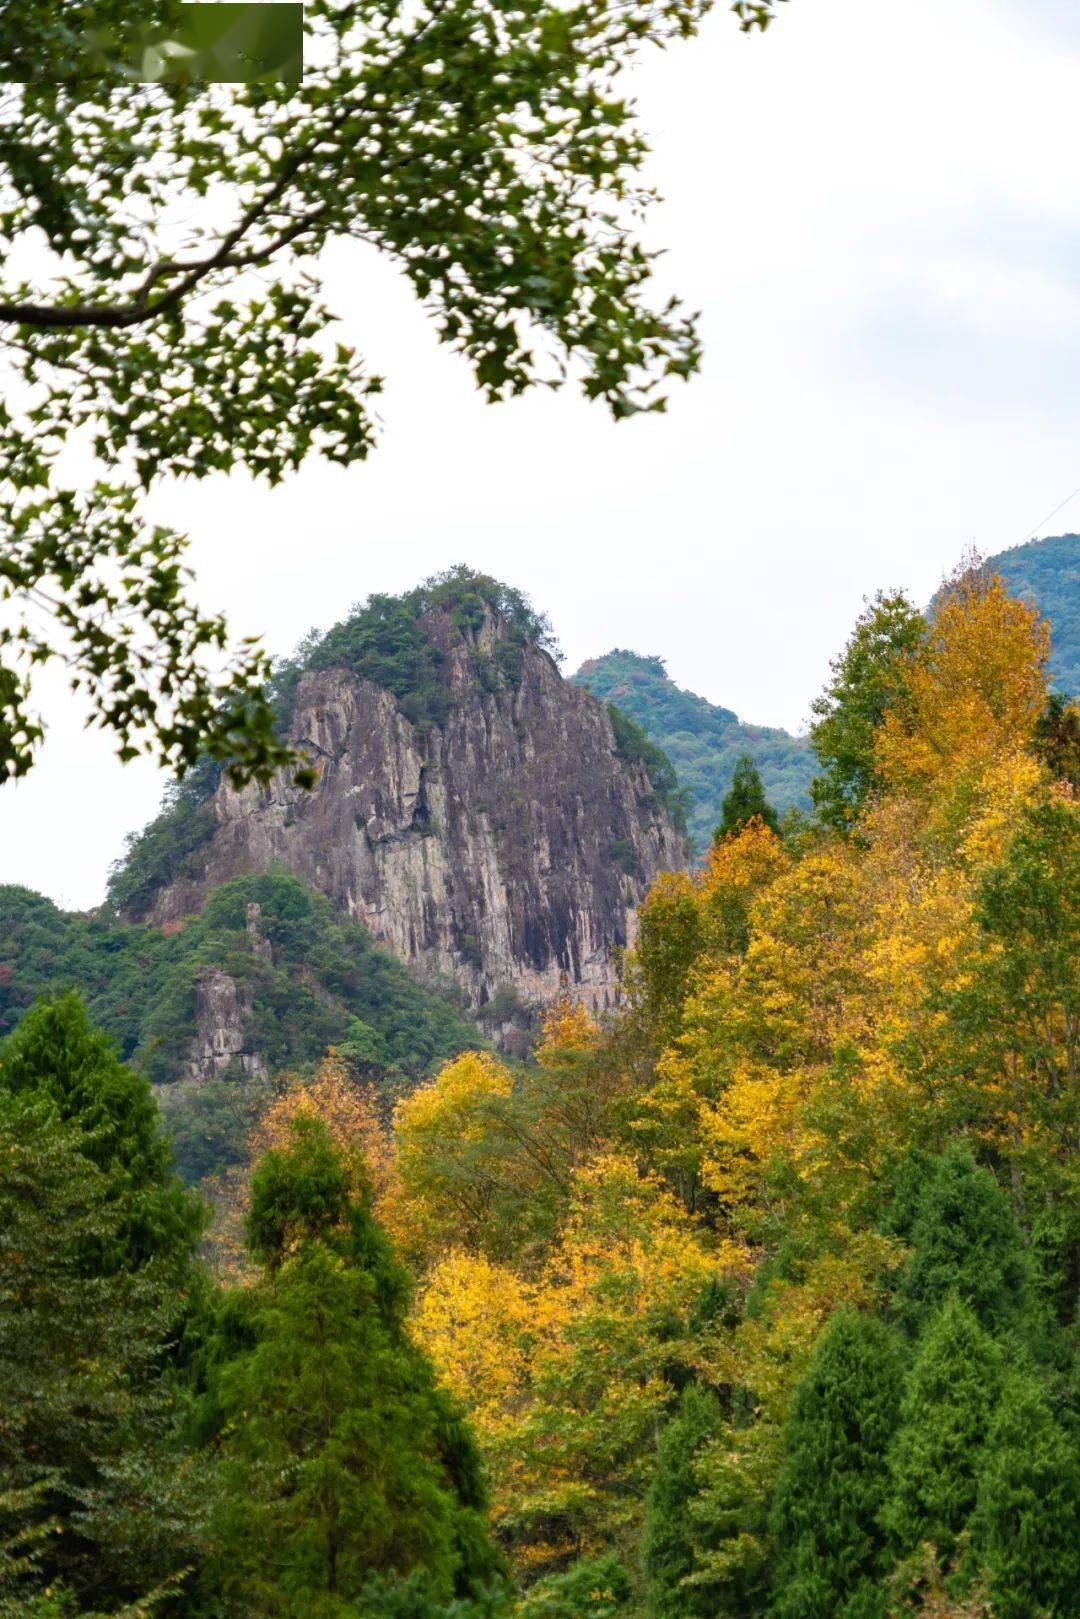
(475, 811)
(702, 741)
(1047, 573)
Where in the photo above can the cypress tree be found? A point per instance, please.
(965, 1241)
(1026, 1528)
(745, 800)
(341, 1458)
(667, 1547)
(93, 1483)
(948, 1404)
(55, 1052)
(834, 1477)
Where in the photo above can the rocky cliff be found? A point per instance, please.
(505, 846)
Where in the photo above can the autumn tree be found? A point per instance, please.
(453, 1160)
(971, 692)
(489, 1151)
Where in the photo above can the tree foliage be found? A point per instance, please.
(667, 1547)
(341, 1458)
(834, 1482)
(505, 188)
(96, 1259)
(745, 801)
(865, 683)
(759, 1295)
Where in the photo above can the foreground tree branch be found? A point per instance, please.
(487, 151)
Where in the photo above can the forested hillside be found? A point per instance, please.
(703, 742)
(1047, 573)
(757, 1301)
(262, 982)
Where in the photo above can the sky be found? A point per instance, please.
(876, 208)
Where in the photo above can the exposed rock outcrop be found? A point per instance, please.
(223, 1041)
(506, 848)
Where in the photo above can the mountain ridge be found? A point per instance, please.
(703, 740)
(474, 810)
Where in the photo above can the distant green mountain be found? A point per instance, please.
(262, 981)
(1047, 573)
(702, 741)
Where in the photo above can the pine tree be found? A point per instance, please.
(56, 1052)
(88, 1419)
(834, 1478)
(667, 1546)
(949, 1400)
(341, 1458)
(745, 800)
(964, 1240)
(1026, 1528)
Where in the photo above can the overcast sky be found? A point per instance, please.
(876, 206)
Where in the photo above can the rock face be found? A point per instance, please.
(223, 1022)
(506, 849)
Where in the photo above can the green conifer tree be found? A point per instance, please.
(745, 800)
(1026, 1528)
(828, 1542)
(964, 1240)
(667, 1544)
(341, 1460)
(96, 1495)
(949, 1400)
(56, 1052)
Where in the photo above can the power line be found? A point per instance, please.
(1042, 523)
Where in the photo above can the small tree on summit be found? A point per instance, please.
(745, 801)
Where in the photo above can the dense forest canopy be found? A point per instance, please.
(759, 1301)
(310, 978)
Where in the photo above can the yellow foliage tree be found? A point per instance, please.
(450, 1158)
(973, 692)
